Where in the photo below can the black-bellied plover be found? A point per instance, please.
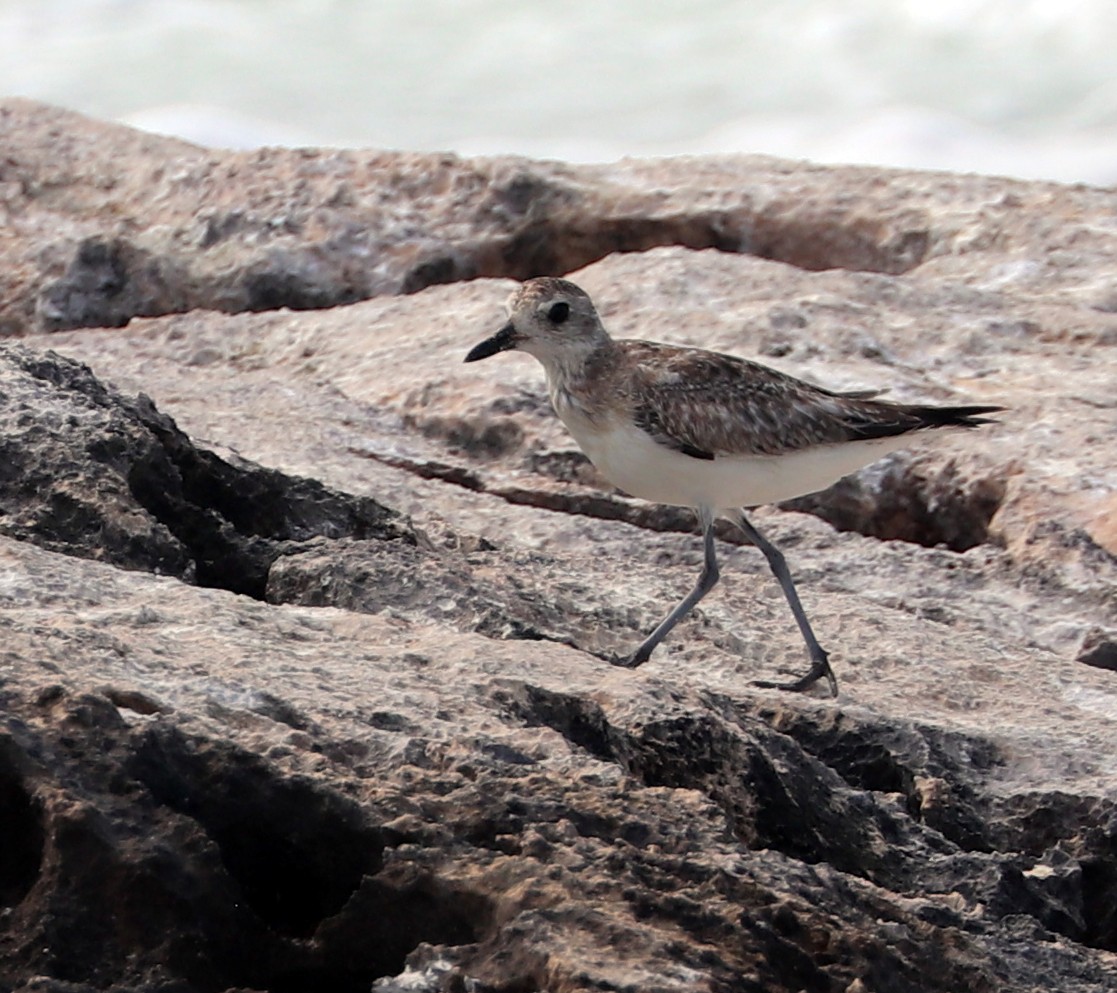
(700, 429)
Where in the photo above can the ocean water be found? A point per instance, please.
(1026, 88)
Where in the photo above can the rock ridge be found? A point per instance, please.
(309, 229)
(305, 624)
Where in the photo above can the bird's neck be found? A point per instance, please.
(577, 378)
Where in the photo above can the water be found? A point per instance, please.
(1019, 87)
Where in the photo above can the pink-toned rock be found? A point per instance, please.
(404, 760)
(104, 223)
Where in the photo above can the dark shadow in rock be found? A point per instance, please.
(1099, 649)
(904, 498)
(777, 795)
(394, 912)
(1099, 900)
(297, 851)
(580, 721)
(1055, 827)
(88, 472)
(917, 762)
(289, 282)
(309, 864)
(551, 239)
(107, 282)
(444, 266)
(230, 517)
(21, 821)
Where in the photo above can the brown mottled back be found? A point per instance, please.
(717, 404)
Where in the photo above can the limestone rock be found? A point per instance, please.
(203, 792)
(105, 223)
(89, 472)
(304, 660)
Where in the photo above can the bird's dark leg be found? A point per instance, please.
(707, 579)
(820, 663)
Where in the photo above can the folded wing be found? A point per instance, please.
(704, 404)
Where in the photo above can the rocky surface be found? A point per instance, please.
(306, 625)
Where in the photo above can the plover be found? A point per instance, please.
(700, 429)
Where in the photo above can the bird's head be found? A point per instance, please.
(552, 319)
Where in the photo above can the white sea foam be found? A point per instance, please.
(1019, 87)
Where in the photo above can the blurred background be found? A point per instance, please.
(1026, 88)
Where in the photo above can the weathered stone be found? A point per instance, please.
(86, 471)
(384, 404)
(897, 499)
(361, 792)
(1099, 648)
(406, 764)
(105, 223)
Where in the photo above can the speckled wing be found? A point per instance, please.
(706, 404)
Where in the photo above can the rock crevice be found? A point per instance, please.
(250, 231)
(282, 710)
(111, 478)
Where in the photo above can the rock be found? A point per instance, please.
(384, 404)
(304, 660)
(1099, 648)
(107, 223)
(898, 500)
(336, 799)
(91, 473)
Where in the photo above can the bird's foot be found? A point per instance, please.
(630, 661)
(820, 669)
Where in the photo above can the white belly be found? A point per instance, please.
(632, 461)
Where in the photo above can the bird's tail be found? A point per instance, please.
(945, 417)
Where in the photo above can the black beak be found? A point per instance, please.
(502, 341)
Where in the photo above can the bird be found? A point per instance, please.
(696, 428)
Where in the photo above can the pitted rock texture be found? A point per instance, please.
(352, 798)
(105, 223)
(88, 472)
(305, 627)
(443, 783)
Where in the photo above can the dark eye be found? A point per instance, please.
(558, 312)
